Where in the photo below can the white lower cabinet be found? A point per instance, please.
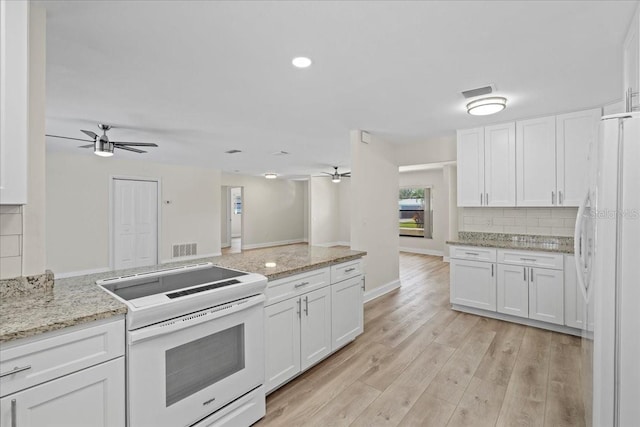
(321, 313)
(315, 327)
(71, 377)
(513, 290)
(473, 283)
(347, 311)
(282, 342)
(91, 397)
(546, 295)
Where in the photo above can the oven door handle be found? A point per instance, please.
(189, 320)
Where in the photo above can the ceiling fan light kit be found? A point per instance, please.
(103, 146)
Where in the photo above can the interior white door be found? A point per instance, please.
(282, 342)
(536, 162)
(576, 133)
(500, 165)
(470, 167)
(135, 223)
(513, 290)
(546, 295)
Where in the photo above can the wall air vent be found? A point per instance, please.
(485, 90)
(233, 151)
(185, 249)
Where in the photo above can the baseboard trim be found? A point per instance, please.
(445, 259)
(270, 244)
(421, 251)
(521, 320)
(330, 244)
(381, 290)
(81, 273)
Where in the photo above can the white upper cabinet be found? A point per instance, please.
(536, 162)
(14, 102)
(500, 165)
(575, 134)
(471, 167)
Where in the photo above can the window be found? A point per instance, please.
(415, 212)
(237, 205)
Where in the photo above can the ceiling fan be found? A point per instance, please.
(336, 176)
(103, 146)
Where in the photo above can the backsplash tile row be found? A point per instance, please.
(540, 221)
(10, 241)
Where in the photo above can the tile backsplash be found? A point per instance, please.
(540, 221)
(10, 241)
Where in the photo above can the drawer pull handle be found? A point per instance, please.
(472, 253)
(15, 371)
(14, 415)
(299, 285)
(349, 270)
(529, 259)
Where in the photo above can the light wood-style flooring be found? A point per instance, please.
(419, 363)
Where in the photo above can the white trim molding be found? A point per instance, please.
(422, 251)
(270, 244)
(445, 259)
(381, 290)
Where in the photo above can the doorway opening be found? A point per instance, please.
(134, 222)
(233, 202)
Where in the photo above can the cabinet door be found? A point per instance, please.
(473, 283)
(315, 327)
(546, 295)
(282, 342)
(92, 397)
(14, 102)
(346, 311)
(500, 165)
(576, 133)
(513, 290)
(471, 167)
(536, 162)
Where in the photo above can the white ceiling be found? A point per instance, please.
(200, 78)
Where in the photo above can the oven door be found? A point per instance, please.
(182, 370)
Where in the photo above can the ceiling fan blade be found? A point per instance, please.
(327, 173)
(86, 146)
(129, 149)
(347, 174)
(89, 133)
(136, 144)
(66, 137)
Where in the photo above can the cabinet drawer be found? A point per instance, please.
(531, 259)
(473, 253)
(62, 354)
(346, 270)
(289, 287)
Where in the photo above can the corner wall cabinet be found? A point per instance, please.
(70, 378)
(14, 102)
(527, 287)
(536, 162)
(309, 316)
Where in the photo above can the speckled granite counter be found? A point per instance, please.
(77, 300)
(523, 242)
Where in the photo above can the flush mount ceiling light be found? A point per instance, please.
(486, 106)
(301, 62)
(271, 175)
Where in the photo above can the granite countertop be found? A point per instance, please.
(558, 244)
(77, 300)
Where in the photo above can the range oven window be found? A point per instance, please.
(199, 364)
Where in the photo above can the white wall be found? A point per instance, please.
(324, 208)
(77, 206)
(451, 181)
(344, 211)
(273, 209)
(374, 211)
(225, 239)
(540, 221)
(432, 151)
(236, 219)
(440, 196)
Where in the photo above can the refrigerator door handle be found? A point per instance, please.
(577, 246)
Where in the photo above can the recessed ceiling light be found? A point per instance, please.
(486, 106)
(301, 62)
(270, 264)
(271, 175)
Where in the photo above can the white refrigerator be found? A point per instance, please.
(607, 254)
